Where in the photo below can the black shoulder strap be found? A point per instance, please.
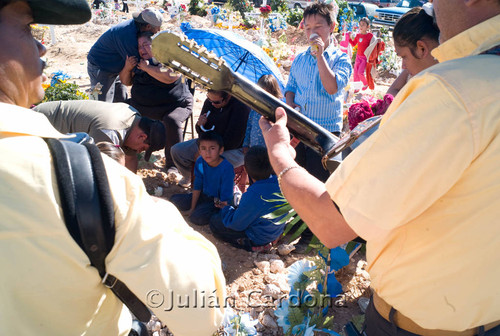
(88, 211)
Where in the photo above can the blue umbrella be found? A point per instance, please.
(242, 56)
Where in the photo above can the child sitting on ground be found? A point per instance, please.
(362, 39)
(213, 181)
(244, 227)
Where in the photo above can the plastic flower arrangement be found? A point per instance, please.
(185, 26)
(312, 284)
(235, 324)
(265, 11)
(277, 23)
(345, 17)
(364, 110)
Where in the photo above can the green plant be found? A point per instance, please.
(63, 90)
(294, 16)
(196, 7)
(242, 6)
(294, 224)
(279, 6)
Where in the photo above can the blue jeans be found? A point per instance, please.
(204, 209)
(112, 90)
(238, 239)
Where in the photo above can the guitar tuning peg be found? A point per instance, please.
(182, 37)
(211, 55)
(221, 61)
(191, 44)
(202, 50)
(183, 80)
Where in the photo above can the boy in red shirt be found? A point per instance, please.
(362, 39)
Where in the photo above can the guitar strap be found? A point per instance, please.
(88, 211)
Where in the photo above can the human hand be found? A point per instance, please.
(219, 204)
(143, 65)
(277, 137)
(317, 44)
(187, 212)
(130, 62)
(202, 119)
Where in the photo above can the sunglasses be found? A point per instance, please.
(216, 102)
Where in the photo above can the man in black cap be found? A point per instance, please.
(117, 123)
(48, 286)
(107, 56)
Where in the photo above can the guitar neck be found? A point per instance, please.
(303, 128)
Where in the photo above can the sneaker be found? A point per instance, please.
(262, 248)
(185, 182)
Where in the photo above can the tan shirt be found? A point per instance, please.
(48, 286)
(424, 190)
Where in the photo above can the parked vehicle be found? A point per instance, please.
(390, 15)
(363, 9)
(299, 3)
(379, 3)
(387, 3)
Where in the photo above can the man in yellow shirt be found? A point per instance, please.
(424, 190)
(48, 286)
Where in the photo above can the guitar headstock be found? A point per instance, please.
(193, 61)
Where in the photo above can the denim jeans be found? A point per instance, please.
(238, 239)
(112, 90)
(204, 209)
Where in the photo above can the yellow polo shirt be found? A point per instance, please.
(48, 286)
(424, 190)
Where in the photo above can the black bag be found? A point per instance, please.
(88, 209)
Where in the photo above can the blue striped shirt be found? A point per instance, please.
(323, 108)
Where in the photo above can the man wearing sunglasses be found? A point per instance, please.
(223, 114)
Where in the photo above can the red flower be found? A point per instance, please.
(359, 112)
(381, 106)
(265, 10)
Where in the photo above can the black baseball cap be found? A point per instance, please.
(155, 130)
(60, 12)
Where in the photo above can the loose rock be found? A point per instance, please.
(285, 249)
(277, 266)
(264, 266)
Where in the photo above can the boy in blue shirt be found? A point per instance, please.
(244, 227)
(213, 182)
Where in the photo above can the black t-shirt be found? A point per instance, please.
(148, 91)
(230, 122)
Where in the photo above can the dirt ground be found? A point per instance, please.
(244, 271)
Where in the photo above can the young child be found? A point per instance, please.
(213, 181)
(117, 5)
(244, 227)
(113, 151)
(317, 80)
(253, 134)
(362, 39)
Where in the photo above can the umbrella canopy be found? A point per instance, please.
(242, 56)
